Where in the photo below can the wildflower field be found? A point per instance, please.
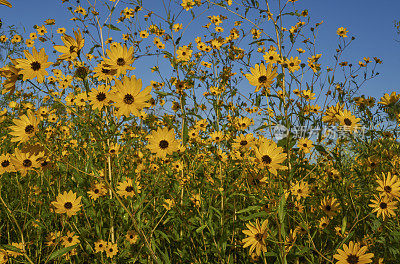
(205, 131)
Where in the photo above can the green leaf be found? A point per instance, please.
(253, 216)
(185, 133)
(162, 93)
(270, 254)
(11, 248)
(320, 149)
(162, 234)
(250, 208)
(112, 27)
(282, 214)
(61, 252)
(92, 49)
(344, 225)
(281, 209)
(210, 227)
(258, 100)
(198, 230)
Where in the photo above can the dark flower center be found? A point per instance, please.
(388, 189)
(328, 208)
(266, 159)
(101, 96)
(35, 65)
(27, 163)
(164, 144)
(96, 191)
(70, 239)
(259, 237)
(105, 70)
(383, 205)
(129, 189)
(5, 163)
(262, 79)
(291, 64)
(120, 62)
(129, 99)
(305, 145)
(68, 205)
(29, 129)
(72, 49)
(256, 182)
(81, 72)
(243, 143)
(271, 57)
(352, 259)
(347, 122)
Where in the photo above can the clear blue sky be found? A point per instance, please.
(371, 22)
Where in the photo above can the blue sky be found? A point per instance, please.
(370, 22)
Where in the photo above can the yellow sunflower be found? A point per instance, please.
(25, 127)
(300, 190)
(162, 142)
(305, 145)
(72, 46)
(261, 77)
(67, 203)
(342, 32)
(270, 156)
(184, 53)
(128, 98)
(256, 237)
(330, 206)
(34, 65)
(11, 73)
(348, 121)
(70, 239)
(127, 188)
(217, 136)
(389, 185)
(100, 246)
(4, 2)
(243, 142)
(383, 206)
(97, 191)
(24, 161)
(272, 57)
(132, 237)
(53, 238)
(353, 254)
(111, 250)
(99, 97)
(323, 222)
(389, 99)
(331, 113)
(293, 64)
(120, 58)
(6, 164)
(104, 72)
